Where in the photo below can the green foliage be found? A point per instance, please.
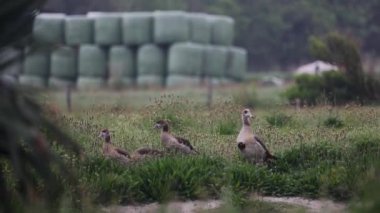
(333, 121)
(227, 128)
(278, 119)
(332, 86)
(306, 170)
(342, 51)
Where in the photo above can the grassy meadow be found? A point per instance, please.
(323, 151)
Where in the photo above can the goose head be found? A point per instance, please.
(105, 134)
(246, 116)
(162, 124)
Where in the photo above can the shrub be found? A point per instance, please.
(332, 86)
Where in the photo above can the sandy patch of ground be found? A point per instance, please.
(310, 205)
(196, 206)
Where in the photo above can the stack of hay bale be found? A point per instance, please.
(162, 48)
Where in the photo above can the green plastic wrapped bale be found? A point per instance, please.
(150, 60)
(32, 81)
(107, 29)
(14, 69)
(215, 61)
(186, 59)
(137, 28)
(238, 63)
(58, 83)
(222, 30)
(78, 30)
(170, 27)
(92, 61)
(121, 66)
(174, 80)
(90, 83)
(63, 63)
(36, 63)
(149, 81)
(200, 28)
(49, 28)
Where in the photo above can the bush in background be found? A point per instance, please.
(333, 86)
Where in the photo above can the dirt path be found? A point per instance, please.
(311, 205)
(196, 206)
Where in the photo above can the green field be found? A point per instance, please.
(323, 151)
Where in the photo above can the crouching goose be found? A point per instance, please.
(109, 150)
(142, 153)
(171, 142)
(250, 146)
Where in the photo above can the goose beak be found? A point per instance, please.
(156, 126)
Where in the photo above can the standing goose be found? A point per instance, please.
(251, 147)
(171, 142)
(109, 150)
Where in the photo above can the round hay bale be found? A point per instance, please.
(149, 80)
(32, 81)
(121, 66)
(107, 29)
(182, 81)
(48, 28)
(58, 83)
(200, 28)
(215, 61)
(150, 60)
(36, 63)
(63, 63)
(92, 61)
(137, 28)
(222, 32)
(170, 27)
(78, 30)
(186, 59)
(238, 64)
(90, 83)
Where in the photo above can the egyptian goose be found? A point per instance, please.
(250, 146)
(122, 155)
(142, 153)
(109, 150)
(171, 142)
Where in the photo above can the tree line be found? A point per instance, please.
(275, 32)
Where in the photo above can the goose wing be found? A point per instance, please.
(269, 155)
(185, 142)
(122, 152)
(147, 151)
